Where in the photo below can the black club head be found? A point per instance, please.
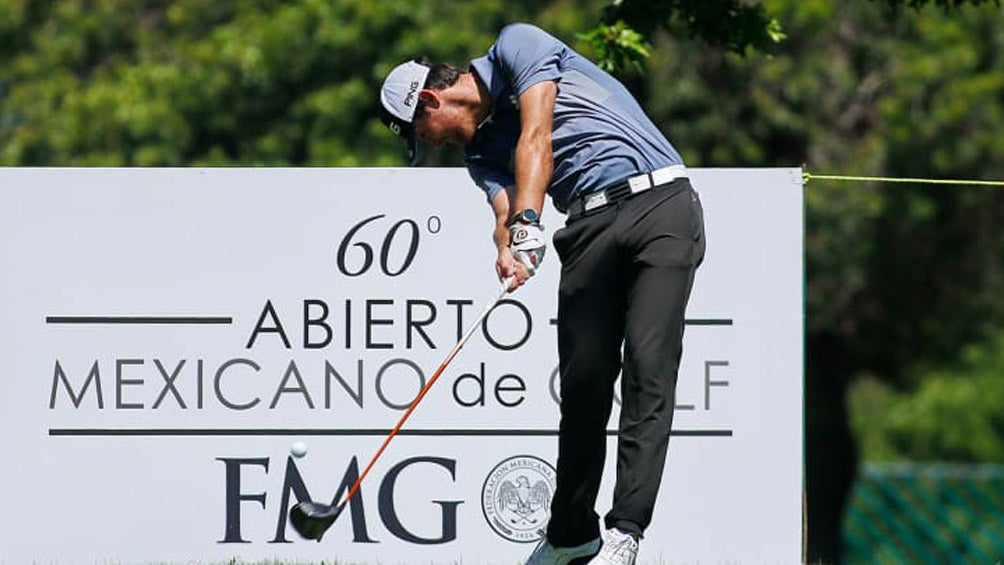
(311, 519)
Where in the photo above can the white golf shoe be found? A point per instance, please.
(547, 554)
(619, 548)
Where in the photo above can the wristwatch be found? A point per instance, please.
(525, 216)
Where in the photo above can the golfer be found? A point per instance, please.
(536, 118)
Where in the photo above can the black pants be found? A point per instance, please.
(626, 275)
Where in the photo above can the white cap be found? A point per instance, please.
(399, 100)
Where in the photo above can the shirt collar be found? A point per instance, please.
(484, 69)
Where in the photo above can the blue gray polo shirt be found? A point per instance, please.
(601, 135)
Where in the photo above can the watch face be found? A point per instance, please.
(527, 216)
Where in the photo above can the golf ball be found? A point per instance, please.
(298, 449)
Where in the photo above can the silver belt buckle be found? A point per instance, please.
(639, 183)
(594, 200)
(668, 174)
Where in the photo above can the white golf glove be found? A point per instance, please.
(526, 241)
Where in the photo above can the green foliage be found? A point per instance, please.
(897, 274)
(945, 4)
(248, 82)
(621, 41)
(733, 24)
(955, 414)
(626, 27)
(618, 47)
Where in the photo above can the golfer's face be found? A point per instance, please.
(442, 125)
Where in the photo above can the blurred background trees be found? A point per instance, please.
(904, 302)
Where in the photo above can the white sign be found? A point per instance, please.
(170, 333)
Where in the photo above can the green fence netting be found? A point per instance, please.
(936, 514)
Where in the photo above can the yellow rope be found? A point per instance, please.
(806, 177)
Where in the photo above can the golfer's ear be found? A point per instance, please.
(429, 97)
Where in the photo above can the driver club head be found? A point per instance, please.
(311, 519)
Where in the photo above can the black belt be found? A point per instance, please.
(625, 188)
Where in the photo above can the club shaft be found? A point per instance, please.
(425, 389)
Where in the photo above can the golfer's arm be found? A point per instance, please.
(534, 157)
(502, 211)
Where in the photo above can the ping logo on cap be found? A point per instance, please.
(399, 101)
(410, 96)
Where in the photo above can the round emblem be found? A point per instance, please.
(516, 497)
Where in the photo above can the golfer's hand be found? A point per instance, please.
(526, 241)
(508, 267)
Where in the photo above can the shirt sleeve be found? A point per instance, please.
(528, 55)
(490, 179)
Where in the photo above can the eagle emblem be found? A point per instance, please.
(516, 497)
(522, 504)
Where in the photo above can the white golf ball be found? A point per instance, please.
(298, 449)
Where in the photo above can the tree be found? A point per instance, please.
(946, 4)
(622, 38)
(251, 82)
(900, 279)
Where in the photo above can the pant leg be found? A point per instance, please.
(664, 233)
(590, 332)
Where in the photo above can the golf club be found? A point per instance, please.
(312, 519)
